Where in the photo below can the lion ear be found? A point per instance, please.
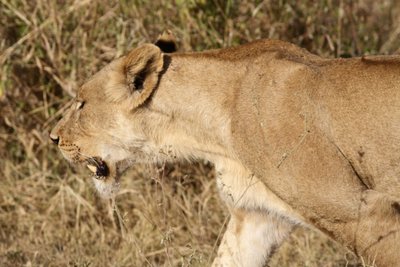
(142, 67)
(167, 42)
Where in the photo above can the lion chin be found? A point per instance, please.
(107, 188)
(105, 177)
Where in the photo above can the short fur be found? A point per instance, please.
(295, 139)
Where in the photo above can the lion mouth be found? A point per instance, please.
(99, 168)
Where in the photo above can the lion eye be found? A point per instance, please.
(80, 104)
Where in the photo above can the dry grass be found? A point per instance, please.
(50, 214)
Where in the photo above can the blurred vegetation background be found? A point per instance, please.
(50, 214)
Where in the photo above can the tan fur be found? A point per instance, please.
(295, 139)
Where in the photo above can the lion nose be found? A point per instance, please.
(55, 139)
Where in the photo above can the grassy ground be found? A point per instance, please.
(50, 214)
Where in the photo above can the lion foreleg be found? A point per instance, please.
(251, 238)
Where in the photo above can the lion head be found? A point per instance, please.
(106, 120)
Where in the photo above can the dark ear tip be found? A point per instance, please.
(166, 46)
(167, 42)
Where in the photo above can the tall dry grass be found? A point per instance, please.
(50, 214)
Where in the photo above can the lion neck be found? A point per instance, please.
(192, 109)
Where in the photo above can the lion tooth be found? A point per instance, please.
(92, 168)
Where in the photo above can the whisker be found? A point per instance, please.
(91, 160)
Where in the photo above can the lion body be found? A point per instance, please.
(295, 139)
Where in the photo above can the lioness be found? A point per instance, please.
(296, 139)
